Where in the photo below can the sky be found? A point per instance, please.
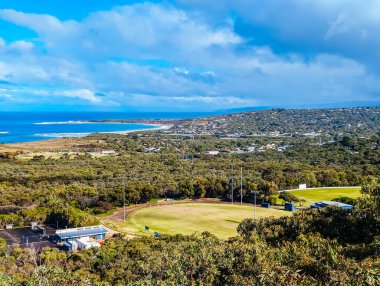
(188, 55)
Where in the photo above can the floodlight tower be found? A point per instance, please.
(254, 211)
(255, 193)
(241, 185)
(232, 184)
(124, 197)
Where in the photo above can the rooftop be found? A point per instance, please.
(80, 231)
(331, 203)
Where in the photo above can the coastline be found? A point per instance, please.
(155, 128)
(68, 135)
(52, 136)
(73, 143)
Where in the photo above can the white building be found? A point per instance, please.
(108, 152)
(211, 152)
(302, 187)
(82, 237)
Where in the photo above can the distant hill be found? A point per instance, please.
(243, 109)
(359, 121)
(347, 104)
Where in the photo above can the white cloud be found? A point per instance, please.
(82, 94)
(19, 93)
(5, 95)
(338, 26)
(345, 27)
(157, 56)
(142, 29)
(22, 47)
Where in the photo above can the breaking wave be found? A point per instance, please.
(65, 122)
(61, 135)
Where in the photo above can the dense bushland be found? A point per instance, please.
(314, 247)
(98, 182)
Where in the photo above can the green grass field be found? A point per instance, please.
(326, 194)
(219, 219)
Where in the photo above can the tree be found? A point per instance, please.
(267, 189)
(147, 193)
(186, 189)
(347, 141)
(3, 246)
(200, 185)
(372, 188)
(288, 197)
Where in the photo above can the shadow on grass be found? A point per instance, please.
(233, 221)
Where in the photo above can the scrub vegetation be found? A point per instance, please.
(330, 246)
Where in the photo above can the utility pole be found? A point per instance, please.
(254, 210)
(232, 184)
(67, 214)
(241, 185)
(124, 197)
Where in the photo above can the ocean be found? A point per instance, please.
(17, 127)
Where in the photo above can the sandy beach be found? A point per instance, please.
(73, 142)
(155, 128)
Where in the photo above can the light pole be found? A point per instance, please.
(254, 215)
(67, 215)
(254, 206)
(232, 184)
(124, 197)
(241, 185)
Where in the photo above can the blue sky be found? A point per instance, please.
(188, 55)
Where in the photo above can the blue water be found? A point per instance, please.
(34, 126)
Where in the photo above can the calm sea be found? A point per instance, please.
(34, 126)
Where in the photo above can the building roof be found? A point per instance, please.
(332, 203)
(80, 232)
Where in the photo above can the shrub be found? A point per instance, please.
(272, 200)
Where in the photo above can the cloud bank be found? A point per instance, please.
(181, 57)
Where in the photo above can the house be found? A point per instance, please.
(211, 152)
(108, 152)
(250, 149)
(237, 151)
(104, 152)
(330, 203)
(267, 147)
(283, 148)
(274, 134)
(312, 134)
(152, 149)
(72, 239)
